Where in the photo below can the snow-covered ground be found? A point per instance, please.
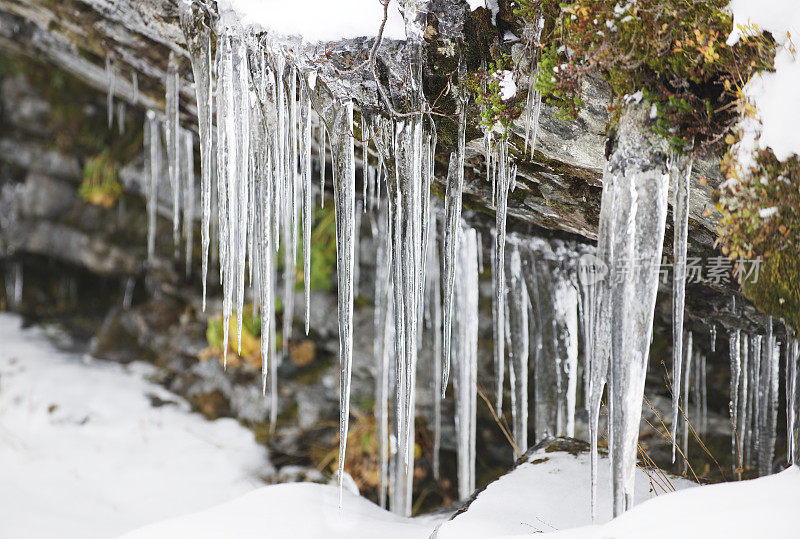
(762, 507)
(84, 453)
(549, 492)
(549, 497)
(301, 510)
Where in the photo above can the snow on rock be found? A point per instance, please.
(776, 16)
(92, 449)
(319, 20)
(508, 88)
(549, 491)
(764, 507)
(774, 95)
(306, 510)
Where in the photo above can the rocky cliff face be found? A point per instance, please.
(558, 189)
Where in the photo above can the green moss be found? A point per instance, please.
(100, 184)
(759, 220)
(494, 109)
(777, 289)
(673, 50)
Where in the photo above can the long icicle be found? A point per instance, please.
(344, 184)
(505, 175)
(305, 169)
(172, 125)
(680, 169)
(466, 348)
(453, 194)
(198, 38)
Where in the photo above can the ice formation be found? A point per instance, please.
(262, 109)
(632, 222)
(680, 169)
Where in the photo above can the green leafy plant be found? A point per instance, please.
(495, 109)
(100, 184)
(673, 50)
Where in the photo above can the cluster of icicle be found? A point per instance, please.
(755, 380)
(164, 135)
(257, 111)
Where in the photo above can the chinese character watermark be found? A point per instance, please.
(717, 270)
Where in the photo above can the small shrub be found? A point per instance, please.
(100, 184)
(673, 50)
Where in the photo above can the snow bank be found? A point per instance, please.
(763, 507)
(549, 492)
(319, 20)
(306, 510)
(86, 454)
(774, 95)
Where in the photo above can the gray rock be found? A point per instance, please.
(71, 245)
(43, 197)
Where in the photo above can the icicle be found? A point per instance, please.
(305, 168)
(357, 248)
(14, 284)
(322, 165)
(121, 110)
(289, 200)
(480, 252)
(453, 194)
(601, 316)
(172, 131)
(380, 347)
(534, 100)
(736, 369)
(687, 376)
(152, 145)
(680, 170)
(565, 309)
(111, 81)
(344, 199)
(505, 174)
(233, 160)
(636, 233)
(466, 351)
(741, 426)
(713, 337)
(135, 84)
(518, 305)
(188, 197)
(198, 38)
(703, 381)
(768, 408)
(433, 314)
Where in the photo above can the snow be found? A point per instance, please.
(85, 454)
(321, 20)
(547, 497)
(508, 88)
(543, 497)
(763, 507)
(776, 16)
(766, 213)
(304, 510)
(774, 95)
